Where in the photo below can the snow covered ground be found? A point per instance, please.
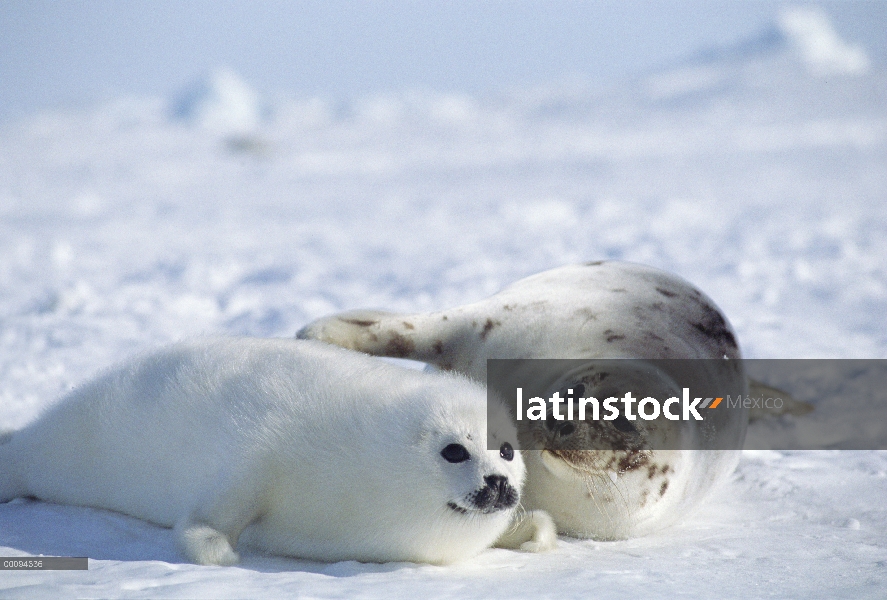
(758, 172)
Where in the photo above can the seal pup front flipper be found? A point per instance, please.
(531, 531)
(208, 535)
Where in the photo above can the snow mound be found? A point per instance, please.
(809, 32)
(799, 47)
(222, 103)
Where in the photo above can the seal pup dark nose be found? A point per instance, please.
(497, 494)
(498, 483)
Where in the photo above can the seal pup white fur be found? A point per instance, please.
(599, 310)
(293, 447)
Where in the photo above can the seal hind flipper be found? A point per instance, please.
(790, 405)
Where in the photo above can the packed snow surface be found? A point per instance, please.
(757, 172)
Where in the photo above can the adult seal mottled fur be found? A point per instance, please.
(292, 447)
(593, 311)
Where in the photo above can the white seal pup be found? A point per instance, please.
(599, 310)
(292, 447)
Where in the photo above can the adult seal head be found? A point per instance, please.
(596, 311)
(294, 447)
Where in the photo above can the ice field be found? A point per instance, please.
(758, 172)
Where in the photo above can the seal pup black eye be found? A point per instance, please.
(455, 453)
(506, 451)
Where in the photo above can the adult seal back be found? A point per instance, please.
(293, 447)
(599, 310)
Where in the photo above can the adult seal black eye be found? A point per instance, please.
(455, 453)
(578, 390)
(506, 451)
(624, 425)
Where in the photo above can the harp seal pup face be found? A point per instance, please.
(598, 310)
(292, 447)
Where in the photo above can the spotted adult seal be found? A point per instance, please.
(598, 310)
(292, 447)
